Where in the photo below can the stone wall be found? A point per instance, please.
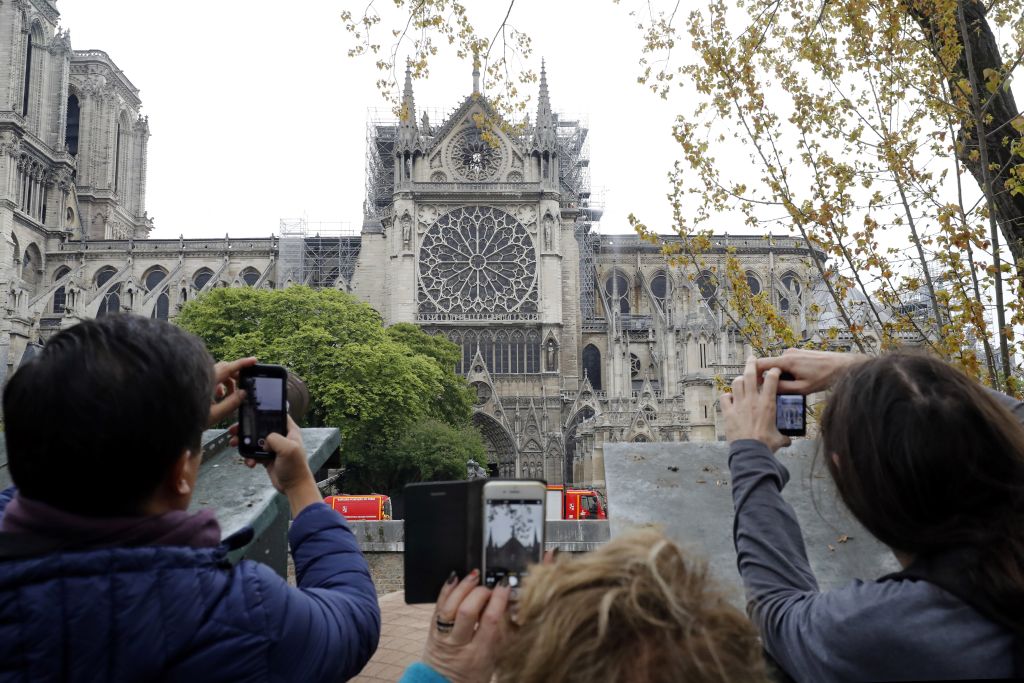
(383, 544)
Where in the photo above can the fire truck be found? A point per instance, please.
(360, 508)
(563, 503)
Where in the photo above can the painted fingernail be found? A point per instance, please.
(473, 575)
(452, 578)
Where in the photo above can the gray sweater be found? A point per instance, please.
(866, 631)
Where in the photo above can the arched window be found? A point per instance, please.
(71, 129)
(32, 266)
(501, 352)
(517, 361)
(533, 351)
(111, 302)
(16, 253)
(754, 283)
(592, 365)
(707, 284)
(33, 52)
(790, 293)
(60, 296)
(617, 289)
(154, 276)
(123, 142)
(791, 282)
(250, 276)
(163, 306)
(659, 286)
(201, 277)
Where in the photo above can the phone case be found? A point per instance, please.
(443, 533)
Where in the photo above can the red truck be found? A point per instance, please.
(373, 506)
(563, 503)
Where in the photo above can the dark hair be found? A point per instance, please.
(929, 462)
(97, 418)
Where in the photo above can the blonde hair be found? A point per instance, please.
(636, 610)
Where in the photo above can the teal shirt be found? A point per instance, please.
(418, 672)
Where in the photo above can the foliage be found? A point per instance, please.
(370, 382)
(861, 121)
(430, 450)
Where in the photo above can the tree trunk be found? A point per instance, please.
(984, 53)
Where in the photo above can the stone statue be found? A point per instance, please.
(474, 471)
(547, 232)
(406, 231)
(552, 356)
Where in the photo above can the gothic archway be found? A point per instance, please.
(501, 448)
(584, 413)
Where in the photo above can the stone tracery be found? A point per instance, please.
(478, 262)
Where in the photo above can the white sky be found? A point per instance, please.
(257, 113)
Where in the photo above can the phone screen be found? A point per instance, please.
(790, 414)
(513, 538)
(261, 413)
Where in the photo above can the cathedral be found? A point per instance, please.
(571, 339)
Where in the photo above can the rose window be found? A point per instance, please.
(477, 262)
(473, 157)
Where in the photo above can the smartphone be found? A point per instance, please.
(442, 535)
(264, 410)
(790, 411)
(513, 530)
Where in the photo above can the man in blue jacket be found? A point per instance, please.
(104, 575)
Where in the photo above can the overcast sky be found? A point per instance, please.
(257, 113)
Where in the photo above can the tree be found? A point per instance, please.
(372, 384)
(861, 120)
(430, 450)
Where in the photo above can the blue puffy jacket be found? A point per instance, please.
(185, 614)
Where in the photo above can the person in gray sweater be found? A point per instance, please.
(933, 466)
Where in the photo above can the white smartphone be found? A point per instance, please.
(513, 530)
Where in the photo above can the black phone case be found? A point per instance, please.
(443, 533)
(278, 372)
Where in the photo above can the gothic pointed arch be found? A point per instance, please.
(501, 447)
(592, 365)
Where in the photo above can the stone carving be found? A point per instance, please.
(549, 226)
(526, 213)
(438, 177)
(406, 222)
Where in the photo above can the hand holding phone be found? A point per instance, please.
(263, 411)
(513, 530)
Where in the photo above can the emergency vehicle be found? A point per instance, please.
(359, 508)
(563, 503)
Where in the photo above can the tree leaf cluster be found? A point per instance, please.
(377, 385)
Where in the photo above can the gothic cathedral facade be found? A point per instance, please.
(571, 339)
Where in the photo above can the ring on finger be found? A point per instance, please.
(444, 626)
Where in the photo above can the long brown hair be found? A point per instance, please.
(931, 462)
(638, 609)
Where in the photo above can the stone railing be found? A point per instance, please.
(241, 496)
(472, 187)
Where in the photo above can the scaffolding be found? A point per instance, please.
(317, 254)
(381, 136)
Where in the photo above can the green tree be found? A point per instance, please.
(431, 451)
(372, 384)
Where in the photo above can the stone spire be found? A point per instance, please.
(544, 132)
(407, 126)
(476, 79)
